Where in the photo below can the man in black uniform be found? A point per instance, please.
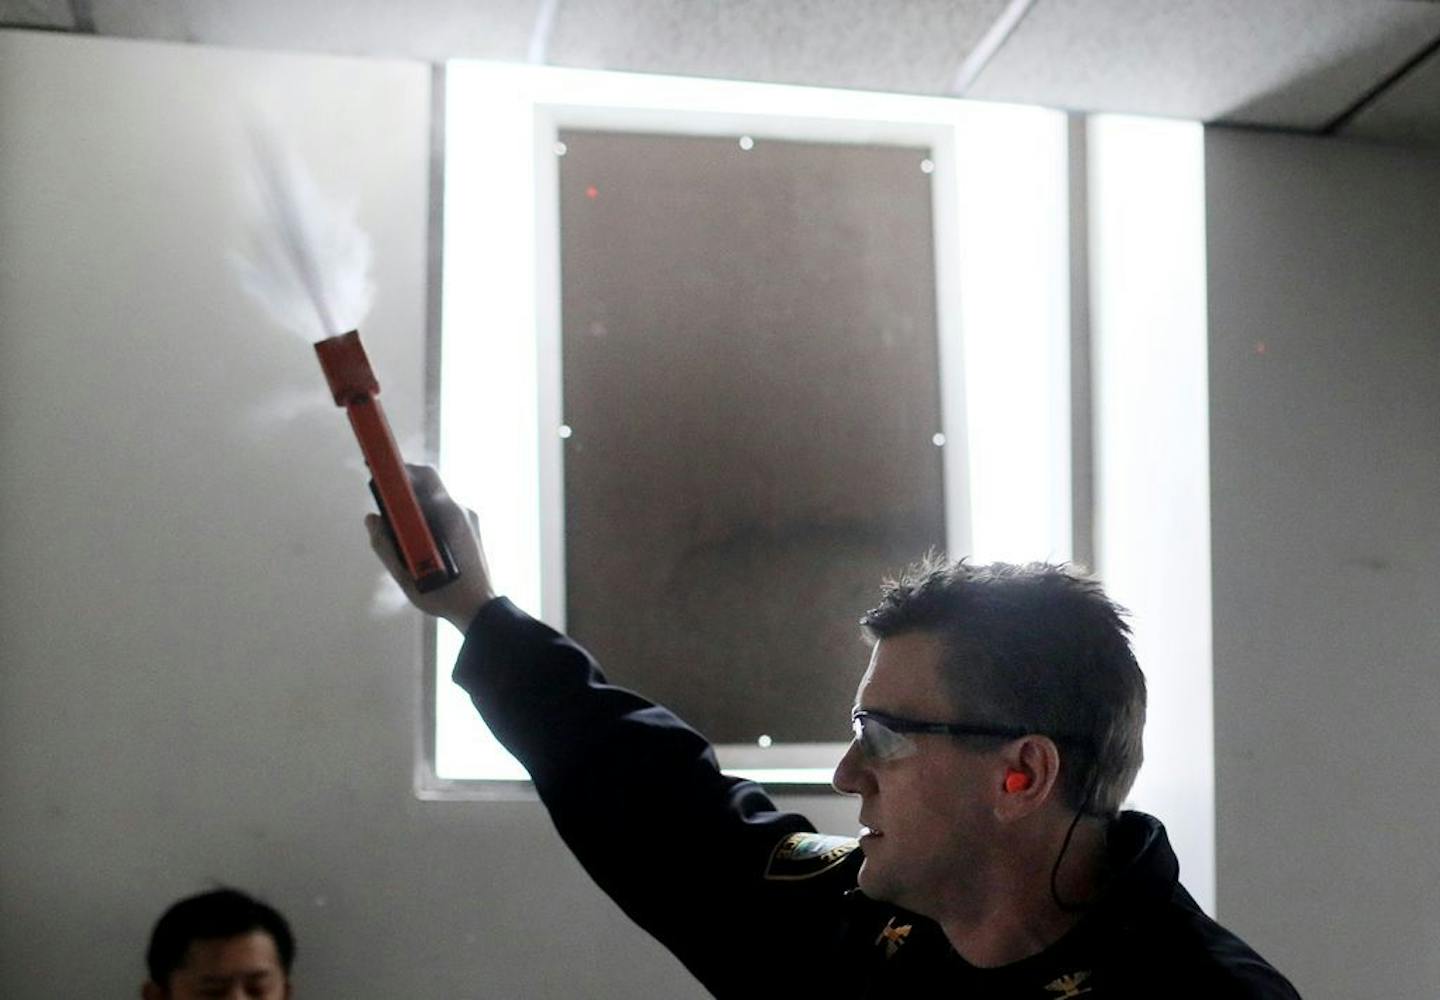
(997, 730)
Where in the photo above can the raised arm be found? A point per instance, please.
(702, 861)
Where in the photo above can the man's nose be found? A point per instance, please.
(851, 774)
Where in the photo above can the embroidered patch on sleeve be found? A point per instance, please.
(805, 855)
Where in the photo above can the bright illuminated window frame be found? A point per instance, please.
(1152, 457)
(1001, 263)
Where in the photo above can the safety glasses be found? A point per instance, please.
(886, 737)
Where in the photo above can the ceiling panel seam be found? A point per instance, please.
(984, 51)
(1374, 93)
(539, 50)
(1268, 127)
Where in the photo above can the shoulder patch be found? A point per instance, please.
(805, 855)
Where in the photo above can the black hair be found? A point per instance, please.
(1036, 646)
(220, 913)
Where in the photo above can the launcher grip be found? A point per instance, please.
(434, 580)
(429, 562)
(352, 383)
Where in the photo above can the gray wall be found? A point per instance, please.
(193, 685)
(1324, 306)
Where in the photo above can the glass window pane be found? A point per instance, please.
(751, 388)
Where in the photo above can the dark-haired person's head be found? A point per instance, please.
(222, 943)
(1039, 647)
(1000, 715)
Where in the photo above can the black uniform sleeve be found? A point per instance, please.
(637, 796)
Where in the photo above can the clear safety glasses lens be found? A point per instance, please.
(879, 742)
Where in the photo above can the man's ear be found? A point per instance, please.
(150, 991)
(1028, 778)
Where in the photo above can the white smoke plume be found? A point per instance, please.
(310, 261)
(387, 599)
(272, 414)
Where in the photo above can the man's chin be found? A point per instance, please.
(881, 885)
(872, 881)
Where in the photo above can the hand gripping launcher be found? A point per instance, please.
(353, 384)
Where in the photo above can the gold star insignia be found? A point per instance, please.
(1068, 986)
(893, 937)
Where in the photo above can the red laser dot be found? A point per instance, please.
(1260, 347)
(592, 191)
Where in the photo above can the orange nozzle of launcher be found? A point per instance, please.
(353, 384)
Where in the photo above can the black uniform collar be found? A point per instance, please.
(1143, 875)
(1141, 864)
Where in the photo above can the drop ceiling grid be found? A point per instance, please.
(913, 46)
(1290, 64)
(1287, 63)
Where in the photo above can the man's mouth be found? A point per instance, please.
(869, 833)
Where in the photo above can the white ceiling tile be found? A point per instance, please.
(37, 14)
(1293, 63)
(1275, 63)
(430, 30)
(914, 46)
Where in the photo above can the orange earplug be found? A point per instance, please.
(1016, 781)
